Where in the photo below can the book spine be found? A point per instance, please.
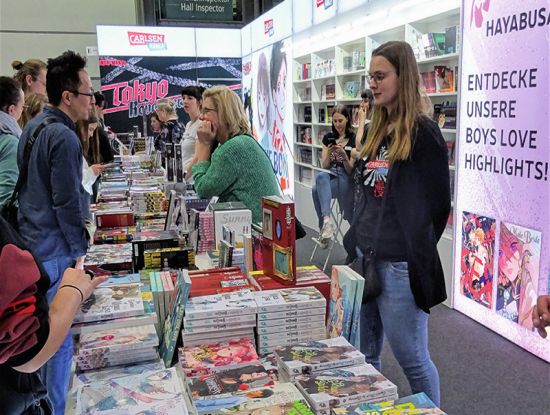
(289, 341)
(314, 311)
(321, 302)
(179, 163)
(200, 315)
(207, 329)
(292, 333)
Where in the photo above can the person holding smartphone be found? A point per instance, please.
(337, 181)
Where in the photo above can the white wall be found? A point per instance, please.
(45, 28)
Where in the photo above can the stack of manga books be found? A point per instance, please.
(344, 387)
(219, 317)
(206, 238)
(213, 357)
(111, 301)
(316, 356)
(418, 404)
(218, 281)
(306, 276)
(149, 392)
(289, 316)
(228, 381)
(117, 346)
(117, 307)
(116, 257)
(280, 398)
(114, 235)
(346, 294)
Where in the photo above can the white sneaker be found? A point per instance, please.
(327, 232)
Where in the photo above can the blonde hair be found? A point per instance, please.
(34, 103)
(230, 110)
(30, 67)
(409, 105)
(165, 105)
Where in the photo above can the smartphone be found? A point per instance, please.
(331, 141)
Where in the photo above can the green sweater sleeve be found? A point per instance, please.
(8, 166)
(215, 177)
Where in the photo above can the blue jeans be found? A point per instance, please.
(57, 371)
(338, 185)
(406, 326)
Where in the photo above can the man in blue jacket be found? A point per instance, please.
(51, 219)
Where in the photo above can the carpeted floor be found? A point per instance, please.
(481, 373)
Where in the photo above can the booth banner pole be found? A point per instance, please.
(502, 250)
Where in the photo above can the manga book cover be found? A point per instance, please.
(345, 386)
(417, 404)
(127, 338)
(289, 299)
(218, 356)
(477, 253)
(111, 257)
(314, 356)
(228, 304)
(174, 321)
(111, 302)
(342, 302)
(249, 401)
(229, 381)
(116, 372)
(299, 407)
(157, 392)
(518, 273)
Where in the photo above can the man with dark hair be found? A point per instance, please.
(51, 219)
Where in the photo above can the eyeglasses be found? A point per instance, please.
(378, 76)
(205, 110)
(88, 94)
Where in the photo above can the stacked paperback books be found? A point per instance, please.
(289, 316)
(313, 357)
(219, 317)
(212, 357)
(345, 386)
(148, 392)
(116, 257)
(117, 346)
(206, 239)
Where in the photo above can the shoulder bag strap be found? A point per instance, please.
(24, 170)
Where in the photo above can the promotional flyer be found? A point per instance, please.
(502, 261)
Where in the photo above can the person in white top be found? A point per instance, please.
(91, 168)
(192, 102)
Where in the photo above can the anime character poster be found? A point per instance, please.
(518, 273)
(271, 95)
(476, 266)
(132, 85)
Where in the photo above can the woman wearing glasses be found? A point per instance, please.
(404, 160)
(239, 169)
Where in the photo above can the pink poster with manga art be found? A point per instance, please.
(502, 256)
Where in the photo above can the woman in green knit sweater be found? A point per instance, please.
(239, 169)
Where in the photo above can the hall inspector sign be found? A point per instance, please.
(218, 10)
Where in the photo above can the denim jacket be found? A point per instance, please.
(51, 219)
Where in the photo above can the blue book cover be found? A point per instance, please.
(342, 301)
(121, 279)
(354, 337)
(418, 404)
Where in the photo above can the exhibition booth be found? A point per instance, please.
(292, 65)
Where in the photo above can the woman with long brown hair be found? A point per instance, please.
(403, 211)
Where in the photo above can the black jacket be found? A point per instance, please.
(421, 191)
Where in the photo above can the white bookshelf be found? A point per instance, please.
(351, 59)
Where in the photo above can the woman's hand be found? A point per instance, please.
(541, 314)
(98, 168)
(203, 149)
(82, 281)
(338, 149)
(206, 133)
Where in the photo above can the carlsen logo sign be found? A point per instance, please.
(154, 41)
(269, 28)
(531, 19)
